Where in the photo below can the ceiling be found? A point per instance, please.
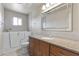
(22, 7)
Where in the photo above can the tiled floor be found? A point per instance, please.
(18, 52)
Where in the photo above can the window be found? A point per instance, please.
(17, 21)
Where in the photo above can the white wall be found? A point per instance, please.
(8, 21)
(1, 25)
(36, 26)
(35, 20)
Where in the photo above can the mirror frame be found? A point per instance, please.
(69, 28)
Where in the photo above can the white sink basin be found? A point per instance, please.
(50, 38)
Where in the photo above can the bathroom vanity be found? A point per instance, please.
(45, 46)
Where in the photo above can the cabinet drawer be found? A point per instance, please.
(58, 51)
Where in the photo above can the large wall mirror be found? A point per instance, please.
(58, 18)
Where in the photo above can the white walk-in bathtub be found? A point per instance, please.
(15, 40)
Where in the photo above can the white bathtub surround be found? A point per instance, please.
(6, 41)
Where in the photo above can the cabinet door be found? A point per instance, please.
(33, 47)
(36, 47)
(55, 51)
(58, 51)
(44, 48)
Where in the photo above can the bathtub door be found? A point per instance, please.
(15, 41)
(21, 37)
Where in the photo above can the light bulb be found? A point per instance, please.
(43, 7)
(47, 4)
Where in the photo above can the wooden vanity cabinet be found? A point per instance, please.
(41, 48)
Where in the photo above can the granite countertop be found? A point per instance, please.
(66, 43)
